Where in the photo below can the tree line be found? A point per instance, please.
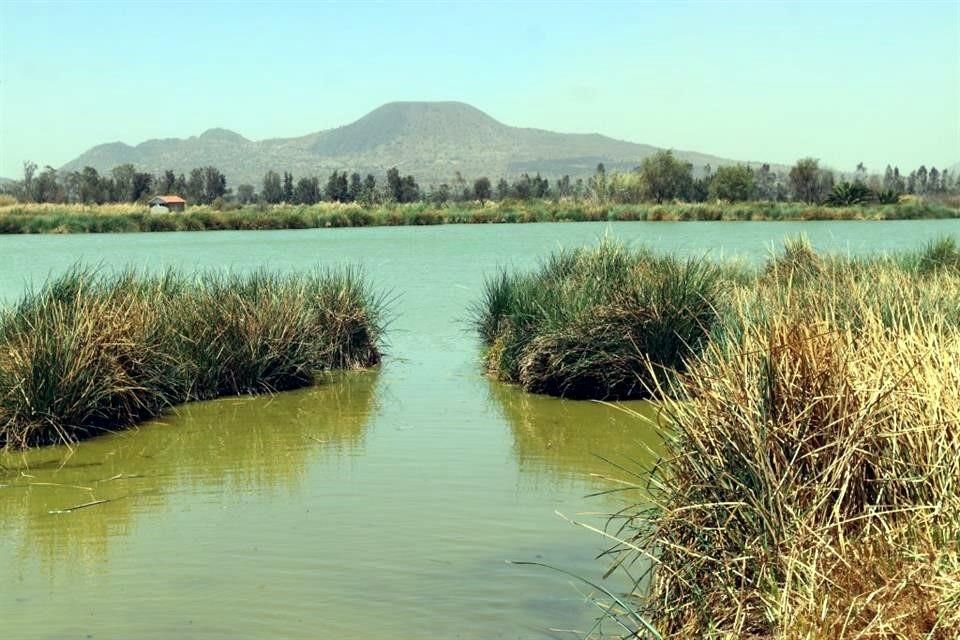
(662, 177)
(659, 178)
(124, 183)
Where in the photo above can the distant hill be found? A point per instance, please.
(431, 140)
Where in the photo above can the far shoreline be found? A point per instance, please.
(133, 218)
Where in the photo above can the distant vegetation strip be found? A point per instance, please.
(123, 218)
(88, 352)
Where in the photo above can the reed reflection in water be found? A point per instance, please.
(65, 506)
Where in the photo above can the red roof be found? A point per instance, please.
(171, 199)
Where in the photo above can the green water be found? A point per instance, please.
(377, 505)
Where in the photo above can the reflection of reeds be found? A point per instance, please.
(88, 352)
(567, 439)
(238, 445)
(810, 484)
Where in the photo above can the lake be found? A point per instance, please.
(378, 505)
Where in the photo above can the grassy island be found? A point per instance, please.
(89, 352)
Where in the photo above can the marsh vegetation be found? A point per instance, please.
(807, 486)
(125, 218)
(89, 352)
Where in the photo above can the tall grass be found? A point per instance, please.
(89, 352)
(810, 481)
(598, 323)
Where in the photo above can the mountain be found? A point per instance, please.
(431, 140)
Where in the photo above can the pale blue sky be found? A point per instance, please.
(842, 81)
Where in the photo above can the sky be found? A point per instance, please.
(845, 82)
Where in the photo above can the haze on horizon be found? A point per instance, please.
(876, 83)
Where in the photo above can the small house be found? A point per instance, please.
(163, 204)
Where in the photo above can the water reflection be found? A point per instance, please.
(59, 504)
(567, 440)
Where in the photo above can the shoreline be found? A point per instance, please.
(64, 219)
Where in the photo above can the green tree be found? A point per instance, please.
(307, 191)
(922, 178)
(860, 174)
(355, 187)
(287, 187)
(123, 182)
(523, 187)
(460, 189)
(766, 183)
(503, 189)
(888, 182)
(441, 195)
(733, 184)
(541, 187)
(167, 182)
(394, 184)
(598, 183)
(368, 194)
(665, 177)
(29, 169)
(214, 184)
(338, 188)
(71, 186)
(482, 190)
(245, 193)
(141, 186)
(46, 187)
(195, 186)
(808, 182)
(409, 190)
(272, 191)
(91, 187)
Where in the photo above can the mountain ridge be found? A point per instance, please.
(431, 140)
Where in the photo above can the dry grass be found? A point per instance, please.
(811, 486)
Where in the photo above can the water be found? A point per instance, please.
(377, 505)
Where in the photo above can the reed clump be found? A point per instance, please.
(810, 486)
(605, 322)
(90, 352)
